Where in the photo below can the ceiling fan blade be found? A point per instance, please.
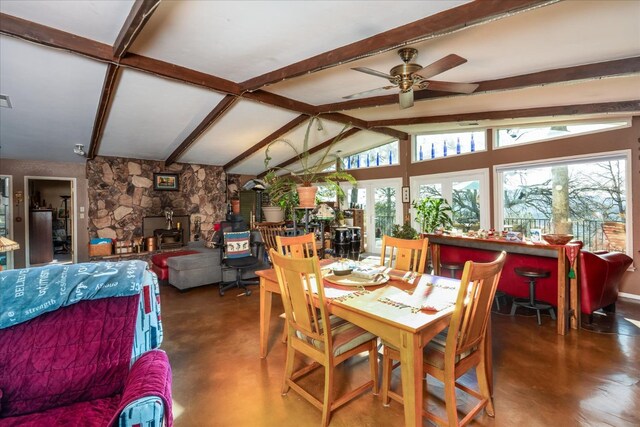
(451, 86)
(406, 99)
(440, 66)
(366, 92)
(374, 73)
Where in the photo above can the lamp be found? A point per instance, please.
(79, 150)
(7, 245)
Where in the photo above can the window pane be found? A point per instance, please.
(434, 146)
(385, 212)
(383, 155)
(430, 190)
(466, 205)
(507, 137)
(579, 198)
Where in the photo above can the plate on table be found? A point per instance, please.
(353, 280)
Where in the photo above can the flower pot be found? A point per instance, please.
(307, 196)
(273, 213)
(235, 206)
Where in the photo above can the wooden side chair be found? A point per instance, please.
(408, 255)
(268, 232)
(328, 341)
(461, 347)
(303, 246)
(297, 246)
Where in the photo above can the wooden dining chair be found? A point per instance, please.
(303, 246)
(404, 254)
(297, 246)
(268, 232)
(326, 340)
(461, 346)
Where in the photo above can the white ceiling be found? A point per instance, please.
(55, 94)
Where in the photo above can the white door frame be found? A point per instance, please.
(72, 214)
(369, 186)
(9, 220)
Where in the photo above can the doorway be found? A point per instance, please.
(382, 205)
(50, 226)
(6, 219)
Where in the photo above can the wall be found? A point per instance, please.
(18, 169)
(121, 194)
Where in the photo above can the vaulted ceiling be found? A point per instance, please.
(213, 82)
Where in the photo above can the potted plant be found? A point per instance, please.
(313, 171)
(279, 189)
(431, 213)
(404, 232)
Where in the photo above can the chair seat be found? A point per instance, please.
(247, 261)
(346, 336)
(531, 272)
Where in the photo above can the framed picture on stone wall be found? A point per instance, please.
(166, 181)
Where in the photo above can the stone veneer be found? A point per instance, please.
(121, 194)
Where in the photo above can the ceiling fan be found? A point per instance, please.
(410, 76)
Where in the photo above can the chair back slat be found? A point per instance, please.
(408, 255)
(297, 246)
(269, 231)
(297, 280)
(473, 305)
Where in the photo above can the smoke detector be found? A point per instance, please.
(79, 150)
(5, 101)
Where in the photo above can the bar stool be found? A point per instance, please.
(532, 274)
(452, 267)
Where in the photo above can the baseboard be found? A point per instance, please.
(630, 296)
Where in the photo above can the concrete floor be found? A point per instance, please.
(541, 378)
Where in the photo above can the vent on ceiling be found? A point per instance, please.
(5, 101)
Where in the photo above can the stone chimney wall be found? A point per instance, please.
(121, 194)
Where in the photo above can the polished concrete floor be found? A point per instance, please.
(541, 378)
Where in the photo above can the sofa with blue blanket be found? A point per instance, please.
(79, 346)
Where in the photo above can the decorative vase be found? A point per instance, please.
(273, 213)
(235, 206)
(307, 196)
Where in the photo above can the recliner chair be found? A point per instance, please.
(600, 276)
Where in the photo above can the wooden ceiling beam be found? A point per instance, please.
(41, 34)
(280, 101)
(364, 125)
(598, 70)
(266, 141)
(180, 74)
(226, 103)
(599, 108)
(313, 150)
(140, 13)
(466, 15)
(106, 97)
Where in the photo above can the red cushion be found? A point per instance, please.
(600, 277)
(161, 259)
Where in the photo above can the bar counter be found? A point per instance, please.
(460, 249)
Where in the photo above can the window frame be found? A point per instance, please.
(495, 141)
(498, 170)
(414, 143)
(344, 157)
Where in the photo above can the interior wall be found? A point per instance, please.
(121, 194)
(18, 169)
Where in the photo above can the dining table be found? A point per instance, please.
(380, 310)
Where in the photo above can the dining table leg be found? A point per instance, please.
(265, 316)
(412, 378)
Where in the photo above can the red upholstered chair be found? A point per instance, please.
(600, 276)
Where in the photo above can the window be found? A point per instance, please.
(581, 196)
(387, 154)
(517, 135)
(467, 192)
(437, 146)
